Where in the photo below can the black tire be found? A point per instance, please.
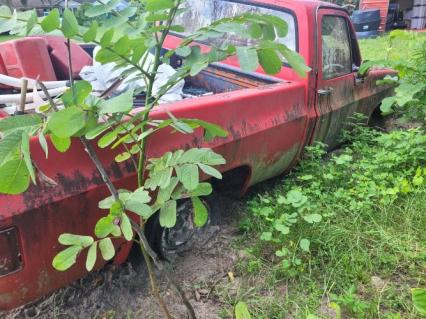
(168, 243)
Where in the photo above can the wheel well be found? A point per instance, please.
(376, 118)
(234, 182)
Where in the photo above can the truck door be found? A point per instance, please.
(337, 84)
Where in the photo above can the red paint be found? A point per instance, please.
(269, 127)
(59, 55)
(27, 57)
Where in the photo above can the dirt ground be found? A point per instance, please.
(124, 292)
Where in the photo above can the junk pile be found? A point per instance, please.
(20, 90)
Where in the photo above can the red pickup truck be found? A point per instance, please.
(270, 121)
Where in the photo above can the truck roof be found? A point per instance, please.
(312, 4)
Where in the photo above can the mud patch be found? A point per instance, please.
(123, 291)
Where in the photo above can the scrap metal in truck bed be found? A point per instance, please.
(270, 121)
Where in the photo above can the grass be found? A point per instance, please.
(369, 249)
(380, 47)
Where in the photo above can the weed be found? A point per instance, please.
(342, 233)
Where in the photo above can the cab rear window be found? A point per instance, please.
(202, 13)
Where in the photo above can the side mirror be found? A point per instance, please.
(355, 68)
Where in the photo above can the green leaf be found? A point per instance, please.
(210, 171)
(282, 253)
(248, 58)
(66, 258)
(137, 203)
(140, 209)
(305, 244)
(387, 104)
(14, 177)
(120, 104)
(270, 61)
(107, 249)
(283, 229)
(9, 145)
(198, 67)
(116, 209)
(201, 214)
(98, 130)
(75, 240)
(296, 61)
(255, 30)
(107, 139)
(203, 189)
(10, 22)
(105, 226)
(168, 214)
(313, 218)
(123, 157)
(183, 51)
(31, 22)
(241, 311)
(164, 194)
(106, 203)
(140, 195)
(107, 38)
(91, 256)
(294, 196)
(69, 24)
(419, 300)
(126, 227)
(266, 236)
(122, 46)
(43, 144)
(105, 56)
(268, 32)
(25, 150)
(61, 144)
(5, 11)
(281, 26)
(157, 5)
(90, 34)
(97, 10)
(188, 174)
(67, 122)
(406, 92)
(26, 121)
(177, 28)
(52, 21)
(77, 94)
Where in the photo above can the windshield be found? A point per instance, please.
(202, 13)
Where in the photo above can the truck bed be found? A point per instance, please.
(219, 78)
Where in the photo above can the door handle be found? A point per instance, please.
(359, 80)
(325, 91)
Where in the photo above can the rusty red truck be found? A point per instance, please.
(270, 120)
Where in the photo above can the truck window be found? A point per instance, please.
(202, 13)
(336, 47)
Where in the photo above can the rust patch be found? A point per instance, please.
(264, 170)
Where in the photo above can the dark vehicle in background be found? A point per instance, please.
(366, 23)
(395, 18)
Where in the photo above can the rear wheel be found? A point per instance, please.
(169, 242)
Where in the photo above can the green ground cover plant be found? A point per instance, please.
(406, 53)
(343, 236)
